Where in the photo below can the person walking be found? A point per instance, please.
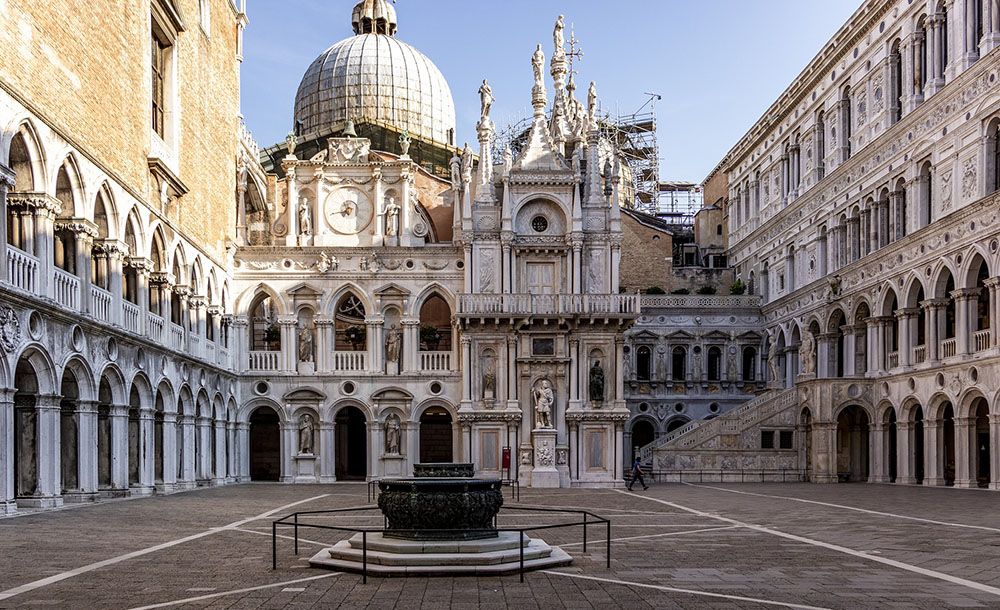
(637, 475)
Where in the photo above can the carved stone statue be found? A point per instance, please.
(807, 352)
(392, 435)
(486, 272)
(731, 364)
(538, 62)
(485, 100)
(393, 341)
(326, 263)
(305, 344)
(466, 164)
(456, 169)
(489, 384)
(306, 433)
(772, 361)
(404, 144)
(558, 37)
(596, 382)
(392, 218)
(290, 141)
(592, 101)
(305, 217)
(508, 160)
(544, 398)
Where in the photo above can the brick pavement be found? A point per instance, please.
(679, 546)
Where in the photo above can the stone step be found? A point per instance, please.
(554, 558)
(535, 549)
(377, 542)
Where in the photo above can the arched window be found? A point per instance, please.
(435, 325)
(993, 156)
(64, 240)
(350, 324)
(895, 98)
(921, 44)
(846, 121)
(749, 364)
(714, 363)
(765, 283)
(678, 364)
(643, 362)
(265, 333)
(790, 269)
(901, 213)
(820, 144)
(924, 196)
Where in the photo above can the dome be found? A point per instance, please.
(374, 76)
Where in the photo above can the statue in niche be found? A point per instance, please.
(306, 433)
(392, 218)
(558, 36)
(544, 399)
(456, 169)
(305, 344)
(596, 382)
(696, 366)
(772, 361)
(392, 435)
(577, 159)
(489, 376)
(731, 364)
(486, 272)
(538, 63)
(485, 101)
(626, 366)
(393, 342)
(305, 217)
(807, 353)
(595, 273)
(466, 164)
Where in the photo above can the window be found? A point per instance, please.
(820, 144)
(718, 229)
(749, 364)
(847, 121)
(158, 62)
(785, 439)
(895, 83)
(539, 224)
(643, 358)
(543, 347)
(993, 155)
(678, 368)
(767, 439)
(714, 363)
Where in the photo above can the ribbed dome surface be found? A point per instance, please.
(375, 76)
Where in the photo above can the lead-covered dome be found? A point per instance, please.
(374, 76)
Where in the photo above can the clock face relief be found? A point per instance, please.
(348, 211)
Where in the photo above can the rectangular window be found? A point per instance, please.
(158, 62)
(767, 439)
(785, 439)
(543, 347)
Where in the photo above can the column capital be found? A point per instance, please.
(931, 304)
(81, 226)
(964, 293)
(140, 263)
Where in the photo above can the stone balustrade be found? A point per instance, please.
(549, 304)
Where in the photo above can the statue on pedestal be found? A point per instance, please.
(392, 218)
(537, 63)
(305, 344)
(807, 353)
(392, 435)
(305, 217)
(485, 101)
(596, 382)
(306, 433)
(393, 341)
(456, 169)
(558, 37)
(466, 164)
(544, 398)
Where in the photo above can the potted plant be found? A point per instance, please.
(356, 335)
(430, 336)
(738, 287)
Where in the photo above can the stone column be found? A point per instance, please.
(616, 258)
(933, 444)
(203, 466)
(965, 452)
(409, 357)
(232, 453)
(619, 374)
(965, 299)
(850, 350)
(147, 451)
(289, 341)
(169, 449)
(874, 349)
(119, 446)
(992, 285)
(505, 267)
(86, 413)
(825, 348)
(876, 454)
(905, 347)
(189, 467)
(243, 453)
(84, 233)
(994, 450)
(47, 457)
(905, 442)
(825, 452)
(574, 370)
(142, 267)
(511, 379)
(933, 311)
(466, 372)
(292, 207)
(327, 451)
(44, 214)
(7, 474)
(577, 266)
(325, 342)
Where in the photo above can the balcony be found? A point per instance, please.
(919, 354)
(176, 336)
(66, 289)
(100, 303)
(155, 327)
(522, 304)
(981, 340)
(265, 361)
(349, 361)
(435, 361)
(893, 360)
(948, 348)
(22, 270)
(130, 317)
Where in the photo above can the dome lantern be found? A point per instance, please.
(374, 17)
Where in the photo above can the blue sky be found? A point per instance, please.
(717, 63)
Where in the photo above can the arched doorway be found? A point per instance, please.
(265, 445)
(134, 438)
(677, 423)
(69, 436)
(980, 442)
(25, 431)
(643, 433)
(948, 444)
(352, 445)
(852, 444)
(435, 435)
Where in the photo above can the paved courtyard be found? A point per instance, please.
(675, 546)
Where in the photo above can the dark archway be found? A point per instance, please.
(918, 445)
(69, 434)
(435, 435)
(980, 466)
(25, 430)
(643, 434)
(852, 444)
(352, 445)
(805, 425)
(891, 444)
(948, 444)
(265, 445)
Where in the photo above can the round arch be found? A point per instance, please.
(86, 385)
(45, 371)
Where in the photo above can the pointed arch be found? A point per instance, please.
(329, 305)
(68, 188)
(25, 155)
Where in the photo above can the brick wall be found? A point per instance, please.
(646, 256)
